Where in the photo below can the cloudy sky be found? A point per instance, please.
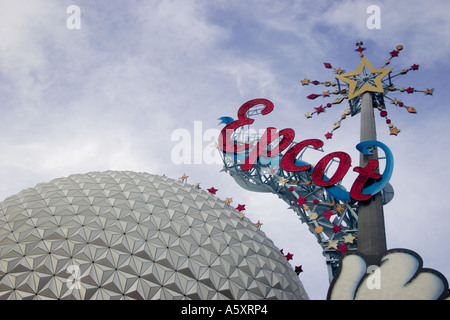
(120, 91)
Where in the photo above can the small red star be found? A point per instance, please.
(301, 201)
(240, 207)
(415, 67)
(336, 228)
(320, 109)
(410, 90)
(329, 214)
(212, 190)
(298, 269)
(289, 256)
(328, 135)
(394, 53)
(360, 49)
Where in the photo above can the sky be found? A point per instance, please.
(135, 80)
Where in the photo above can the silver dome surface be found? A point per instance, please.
(128, 235)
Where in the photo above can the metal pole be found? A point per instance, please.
(371, 229)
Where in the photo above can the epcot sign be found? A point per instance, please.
(271, 144)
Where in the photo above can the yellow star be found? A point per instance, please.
(308, 115)
(305, 82)
(241, 216)
(184, 177)
(258, 224)
(429, 91)
(394, 131)
(367, 87)
(349, 238)
(326, 93)
(283, 181)
(339, 71)
(228, 200)
(396, 101)
(332, 244)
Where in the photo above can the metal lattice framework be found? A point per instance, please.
(333, 222)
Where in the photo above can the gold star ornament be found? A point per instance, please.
(332, 244)
(349, 238)
(370, 82)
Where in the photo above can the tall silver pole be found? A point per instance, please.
(371, 229)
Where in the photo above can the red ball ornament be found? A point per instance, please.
(383, 113)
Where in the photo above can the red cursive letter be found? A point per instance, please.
(225, 135)
(364, 175)
(319, 169)
(288, 161)
(267, 138)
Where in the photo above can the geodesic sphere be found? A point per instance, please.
(128, 235)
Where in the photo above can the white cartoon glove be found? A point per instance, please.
(399, 277)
